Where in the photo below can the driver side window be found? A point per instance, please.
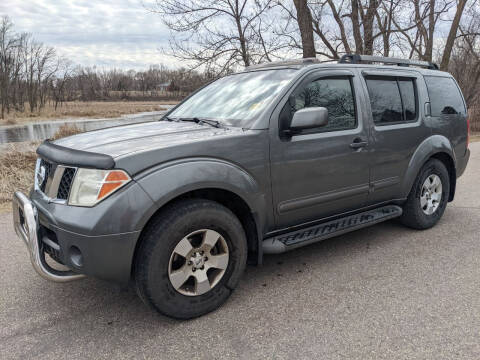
(335, 94)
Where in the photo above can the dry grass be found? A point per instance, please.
(10, 121)
(78, 109)
(17, 167)
(66, 130)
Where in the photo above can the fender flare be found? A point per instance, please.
(432, 145)
(170, 180)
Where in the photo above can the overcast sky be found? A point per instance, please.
(105, 33)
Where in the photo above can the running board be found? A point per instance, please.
(312, 234)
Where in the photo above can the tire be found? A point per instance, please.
(158, 262)
(416, 213)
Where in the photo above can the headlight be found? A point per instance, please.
(91, 186)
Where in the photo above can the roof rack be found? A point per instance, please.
(304, 61)
(361, 59)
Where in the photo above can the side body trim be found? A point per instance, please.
(296, 204)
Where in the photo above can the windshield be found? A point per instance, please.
(237, 99)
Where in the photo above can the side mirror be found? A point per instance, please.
(308, 118)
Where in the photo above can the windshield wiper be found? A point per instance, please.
(214, 123)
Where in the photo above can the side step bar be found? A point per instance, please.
(298, 238)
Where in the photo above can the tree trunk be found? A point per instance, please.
(356, 28)
(243, 45)
(452, 35)
(368, 27)
(431, 30)
(304, 19)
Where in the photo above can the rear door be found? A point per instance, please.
(319, 172)
(397, 103)
(449, 113)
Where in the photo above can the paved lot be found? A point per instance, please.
(382, 292)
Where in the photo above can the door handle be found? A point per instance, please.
(358, 143)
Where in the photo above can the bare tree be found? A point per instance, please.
(400, 27)
(32, 74)
(452, 35)
(420, 29)
(215, 36)
(219, 34)
(8, 44)
(355, 26)
(464, 63)
(58, 84)
(40, 65)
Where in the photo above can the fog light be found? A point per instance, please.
(76, 257)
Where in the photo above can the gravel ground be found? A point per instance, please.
(383, 292)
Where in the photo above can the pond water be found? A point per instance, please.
(44, 130)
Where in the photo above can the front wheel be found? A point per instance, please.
(190, 259)
(428, 198)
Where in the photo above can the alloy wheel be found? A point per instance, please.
(431, 194)
(198, 262)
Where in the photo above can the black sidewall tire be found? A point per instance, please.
(182, 219)
(413, 215)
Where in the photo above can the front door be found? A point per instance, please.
(323, 171)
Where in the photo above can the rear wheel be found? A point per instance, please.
(190, 259)
(428, 198)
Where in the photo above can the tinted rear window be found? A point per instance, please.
(392, 99)
(445, 97)
(385, 100)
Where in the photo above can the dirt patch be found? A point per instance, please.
(5, 208)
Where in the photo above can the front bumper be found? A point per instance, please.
(25, 220)
(107, 256)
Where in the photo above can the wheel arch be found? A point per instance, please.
(434, 147)
(231, 201)
(208, 179)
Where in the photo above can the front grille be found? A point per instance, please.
(54, 181)
(48, 172)
(66, 183)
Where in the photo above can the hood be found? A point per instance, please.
(122, 140)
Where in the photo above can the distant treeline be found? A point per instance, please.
(32, 74)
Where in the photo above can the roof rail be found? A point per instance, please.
(361, 59)
(304, 61)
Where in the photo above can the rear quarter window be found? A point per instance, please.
(445, 96)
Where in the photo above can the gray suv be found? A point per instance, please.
(264, 161)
